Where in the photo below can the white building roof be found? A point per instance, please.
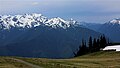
(114, 47)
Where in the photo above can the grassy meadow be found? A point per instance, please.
(102, 59)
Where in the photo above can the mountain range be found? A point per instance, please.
(34, 35)
(111, 29)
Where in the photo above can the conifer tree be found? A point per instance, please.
(98, 44)
(90, 44)
(94, 45)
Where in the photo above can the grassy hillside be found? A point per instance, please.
(8, 62)
(93, 60)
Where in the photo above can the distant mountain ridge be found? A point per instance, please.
(111, 29)
(33, 35)
(33, 20)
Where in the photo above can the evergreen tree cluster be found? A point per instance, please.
(93, 45)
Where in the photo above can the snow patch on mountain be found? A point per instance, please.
(33, 20)
(115, 21)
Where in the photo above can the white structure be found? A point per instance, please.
(114, 47)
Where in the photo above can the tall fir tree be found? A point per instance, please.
(94, 45)
(90, 44)
(98, 44)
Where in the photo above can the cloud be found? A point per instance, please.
(35, 3)
(87, 9)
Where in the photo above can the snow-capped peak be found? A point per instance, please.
(21, 21)
(115, 21)
(59, 22)
(32, 20)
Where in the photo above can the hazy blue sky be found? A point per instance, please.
(96, 11)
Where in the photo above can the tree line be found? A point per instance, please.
(94, 45)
